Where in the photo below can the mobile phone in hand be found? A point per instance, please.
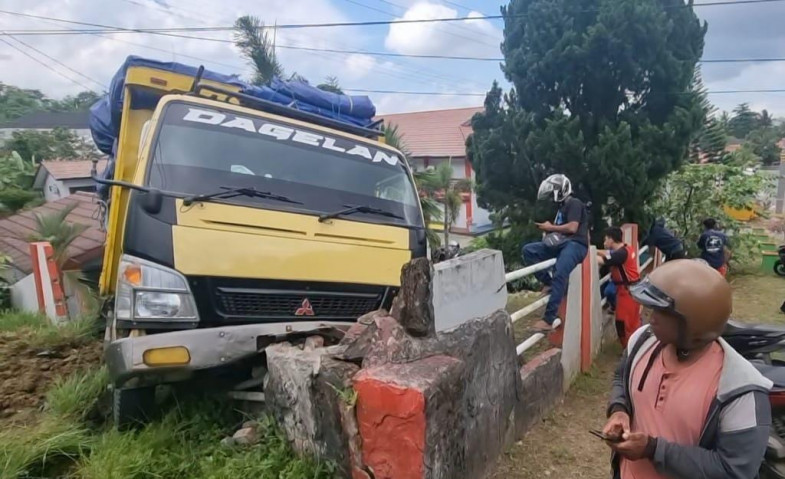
(602, 436)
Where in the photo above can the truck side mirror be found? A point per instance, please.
(152, 201)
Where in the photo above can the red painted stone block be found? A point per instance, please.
(391, 412)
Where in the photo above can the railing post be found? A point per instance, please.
(586, 313)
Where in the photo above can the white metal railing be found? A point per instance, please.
(530, 308)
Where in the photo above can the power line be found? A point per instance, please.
(293, 47)
(357, 24)
(432, 93)
(46, 65)
(59, 63)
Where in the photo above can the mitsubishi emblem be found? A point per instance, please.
(305, 309)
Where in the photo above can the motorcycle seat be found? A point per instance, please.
(735, 328)
(774, 373)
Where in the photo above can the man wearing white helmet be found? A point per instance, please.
(566, 239)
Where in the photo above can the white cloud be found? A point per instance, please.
(99, 57)
(357, 66)
(466, 38)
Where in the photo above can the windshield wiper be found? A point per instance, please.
(358, 209)
(229, 192)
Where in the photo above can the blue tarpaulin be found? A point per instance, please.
(105, 113)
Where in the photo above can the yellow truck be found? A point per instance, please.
(236, 221)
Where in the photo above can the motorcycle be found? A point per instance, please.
(758, 344)
(779, 265)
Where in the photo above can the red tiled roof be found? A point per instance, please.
(438, 133)
(71, 169)
(16, 230)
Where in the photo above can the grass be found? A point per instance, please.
(522, 328)
(757, 298)
(184, 443)
(38, 331)
(70, 438)
(75, 396)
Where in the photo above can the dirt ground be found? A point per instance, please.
(561, 447)
(27, 372)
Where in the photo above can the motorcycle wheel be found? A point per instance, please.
(779, 268)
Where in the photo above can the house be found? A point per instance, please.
(60, 178)
(433, 137)
(76, 121)
(15, 234)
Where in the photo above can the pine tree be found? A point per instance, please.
(602, 93)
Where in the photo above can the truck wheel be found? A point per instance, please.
(132, 407)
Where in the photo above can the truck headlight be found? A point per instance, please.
(150, 292)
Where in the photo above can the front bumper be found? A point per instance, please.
(207, 347)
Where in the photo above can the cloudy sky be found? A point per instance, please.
(735, 31)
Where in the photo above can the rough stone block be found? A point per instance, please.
(541, 385)
(491, 391)
(406, 413)
(310, 395)
(416, 293)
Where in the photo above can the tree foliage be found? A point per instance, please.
(16, 102)
(602, 93)
(60, 143)
(709, 143)
(16, 181)
(763, 143)
(252, 39)
(744, 120)
(697, 192)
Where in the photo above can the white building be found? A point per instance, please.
(60, 178)
(433, 137)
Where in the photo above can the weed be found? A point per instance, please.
(347, 395)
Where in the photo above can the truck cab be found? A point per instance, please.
(235, 222)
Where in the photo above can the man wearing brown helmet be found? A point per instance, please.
(684, 404)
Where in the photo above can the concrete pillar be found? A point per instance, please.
(48, 286)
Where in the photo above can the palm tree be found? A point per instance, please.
(331, 84)
(449, 192)
(251, 38)
(765, 120)
(425, 181)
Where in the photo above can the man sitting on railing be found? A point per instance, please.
(623, 262)
(566, 239)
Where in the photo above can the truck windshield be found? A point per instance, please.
(200, 150)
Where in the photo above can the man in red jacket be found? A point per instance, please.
(623, 262)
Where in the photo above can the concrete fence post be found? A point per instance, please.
(48, 286)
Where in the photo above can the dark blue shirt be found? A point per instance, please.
(573, 210)
(712, 245)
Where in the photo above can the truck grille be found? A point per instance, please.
(280, 304)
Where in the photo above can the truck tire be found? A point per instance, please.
(132, 407)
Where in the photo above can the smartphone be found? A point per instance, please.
(602, 436)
